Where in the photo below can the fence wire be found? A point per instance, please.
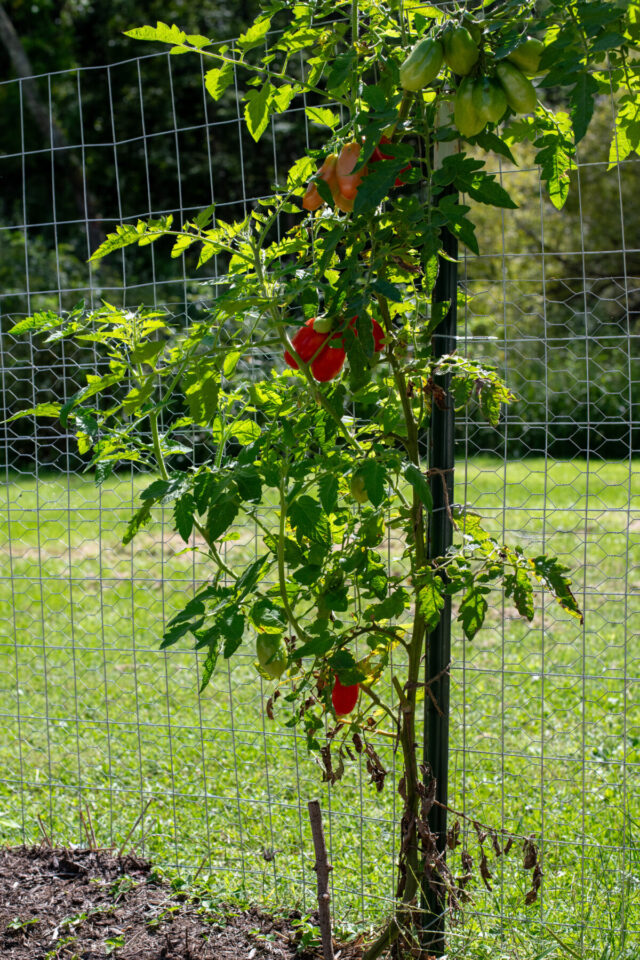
(545, 716)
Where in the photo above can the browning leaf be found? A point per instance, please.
(536, 880)
(485, 873)
(530, 854)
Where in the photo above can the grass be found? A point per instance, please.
(545, 729)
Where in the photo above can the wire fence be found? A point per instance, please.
(545, 716)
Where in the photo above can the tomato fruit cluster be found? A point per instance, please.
(480, 98)
(326, 350)
(337, 173)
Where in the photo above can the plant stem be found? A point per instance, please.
(281, 567)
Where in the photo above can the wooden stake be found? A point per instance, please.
(322, 869)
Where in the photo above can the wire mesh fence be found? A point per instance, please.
(545, 716)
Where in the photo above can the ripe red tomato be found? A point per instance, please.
(307, 342)
(344, 699)
(329, 361)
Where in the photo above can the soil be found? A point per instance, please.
(76, 904)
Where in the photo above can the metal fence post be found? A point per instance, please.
(438, 651)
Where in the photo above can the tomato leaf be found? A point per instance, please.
(256, 112)
(420, 484)
(473, 610)
(375, 479)
(221, 515)
(183, 511)
(140, 519)
(431, 599)
(582, 99)
(209, 664)
(328, 491)
(552, 573)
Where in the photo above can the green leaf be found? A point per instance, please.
(209, 664)
(187, 621)
(256, 112)
(230, 362)
(485, 189)
(140, 519)
(143, 233)
(249, 483)
(473, 610)
(293, 555)
(254, 36)
(375, 479)
(201, 390)
(39, 321)
(220, 516)
(453, 214)
(518, 586)
(308, 520)
(161, 32)
(420, 484)
(156, 490)
(322, 116)
(390, 608)
(377, 184)
(218, 79)
(41, 410)
(430, 598)
(300, 172)
(250, 576)
(556, 158)
(582, 100)
(268, 616)
(388, 290)
(328, 490)
(183, 511)
(230, 623)
(552, 573)
(138, 396)
(626, 137)
(147, 352)
(341, 69)
(245, 431)
(308, 574)
(490, 141)
(183, 242)
(318, 646)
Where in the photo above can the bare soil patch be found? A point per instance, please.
(88, 904)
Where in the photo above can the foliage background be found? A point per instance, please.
(573, 283)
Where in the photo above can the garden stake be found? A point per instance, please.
(322, 869)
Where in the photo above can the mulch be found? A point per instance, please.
(59, 904)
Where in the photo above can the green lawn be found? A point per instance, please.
(545, 726)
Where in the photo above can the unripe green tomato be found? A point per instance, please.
(489, 100)
(519, 91)
(272, 654)
(460, 50)
(358, 488)
(465, 115)
(474, 28)
(422, 65)
(526, 56)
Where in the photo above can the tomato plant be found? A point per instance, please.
(330, 432)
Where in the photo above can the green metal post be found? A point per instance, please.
(438, 652)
